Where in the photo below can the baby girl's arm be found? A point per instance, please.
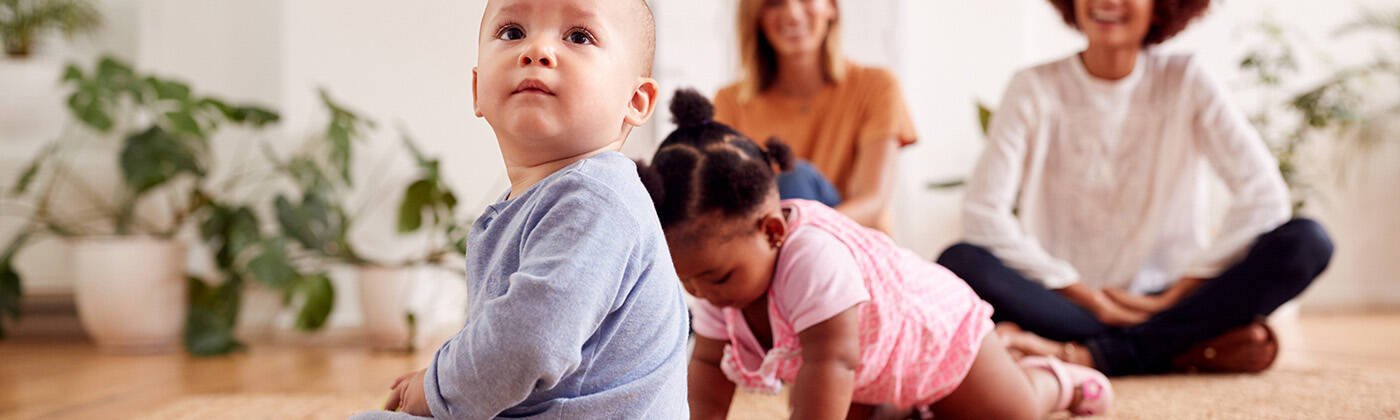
(710, 391)
(830, 357)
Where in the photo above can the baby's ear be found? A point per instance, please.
(642, 103)
(476, 104)
(774, 228)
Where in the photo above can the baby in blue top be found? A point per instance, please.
(575, 310)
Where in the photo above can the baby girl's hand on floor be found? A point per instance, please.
(408, 395)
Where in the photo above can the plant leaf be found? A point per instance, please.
(153, 157)
(10, 292)
(26, 176)
(320, 299)
(181, 122)
(984, 117)
(213, 314)
(272, 267)
(415, 198)
(169, 89)
(89, 108)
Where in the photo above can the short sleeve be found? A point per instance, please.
(817, 277)
(709, 320)
(885, 115)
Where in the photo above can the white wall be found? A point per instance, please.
(951, 54)
(410, 63)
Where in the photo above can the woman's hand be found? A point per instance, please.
(710, 391)
(1152, 304)
(830, 357)
(1107, 310)
(408, 396)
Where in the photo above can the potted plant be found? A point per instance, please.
(318, 219)
(23, 23)
(130, 287)
(1334, 110)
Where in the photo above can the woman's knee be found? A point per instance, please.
(1301, 246)
(963, 256)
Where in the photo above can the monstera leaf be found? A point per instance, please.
(153, 157)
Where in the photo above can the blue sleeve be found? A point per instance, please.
(574, 258)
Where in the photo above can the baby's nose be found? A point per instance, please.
(538, 54)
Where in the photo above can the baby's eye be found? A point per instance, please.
(721, 280)
(510, 33)
(579, 36)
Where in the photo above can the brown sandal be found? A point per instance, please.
(1239, 350)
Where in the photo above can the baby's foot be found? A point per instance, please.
(1083, 390)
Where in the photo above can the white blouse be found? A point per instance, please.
(1104, 182)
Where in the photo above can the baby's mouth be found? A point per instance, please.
(532, 86)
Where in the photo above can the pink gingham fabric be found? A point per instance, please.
(920, 328)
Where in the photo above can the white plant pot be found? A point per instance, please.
(384, 302)
(131, 292)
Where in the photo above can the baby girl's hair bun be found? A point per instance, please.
(778, 154)
(689, 108)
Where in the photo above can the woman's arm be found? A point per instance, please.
(710, 391)
(1259, 199)
(830, 357)
(988, 218)
(871, 183)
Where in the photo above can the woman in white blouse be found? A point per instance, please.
(1085, 219)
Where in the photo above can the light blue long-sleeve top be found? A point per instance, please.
(574, 307)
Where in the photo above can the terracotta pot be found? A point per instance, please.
(131, 292)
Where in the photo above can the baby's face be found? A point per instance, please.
(559, 78)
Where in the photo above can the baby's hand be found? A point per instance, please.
(408, 395)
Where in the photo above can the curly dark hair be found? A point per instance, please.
(706, 166)
(1169, 17)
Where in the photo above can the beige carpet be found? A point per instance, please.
(1294, 391)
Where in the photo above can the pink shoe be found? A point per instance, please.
(1097, 392)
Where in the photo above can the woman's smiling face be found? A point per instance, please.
(797, 26)
(1114, 23)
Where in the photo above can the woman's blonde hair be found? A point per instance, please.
(760, 62)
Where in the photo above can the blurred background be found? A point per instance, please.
(311, 165)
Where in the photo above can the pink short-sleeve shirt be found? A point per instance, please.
(920, 325)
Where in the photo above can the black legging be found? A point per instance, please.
(1277, 268)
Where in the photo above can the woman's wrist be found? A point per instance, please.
(1084, 296)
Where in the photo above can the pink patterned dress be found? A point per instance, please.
(920, 325)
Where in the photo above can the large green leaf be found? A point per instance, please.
(273, 267)
(88, 106)
(153, 157)
(320, 299)
(415, 198)
(313, 223)
(213, 314)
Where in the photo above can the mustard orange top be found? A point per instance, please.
(826, 128)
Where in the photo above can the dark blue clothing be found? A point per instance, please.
(804, 181)
(1278, 267)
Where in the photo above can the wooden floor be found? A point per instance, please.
(72, 380)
